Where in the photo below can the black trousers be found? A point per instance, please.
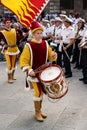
(59, 55)
(84, 63)
(76, 52)
(66, 60)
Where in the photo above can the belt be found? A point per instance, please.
(12, 45)
(65, 43)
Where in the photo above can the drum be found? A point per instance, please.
(54, 81)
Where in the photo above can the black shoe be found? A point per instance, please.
(68, 76)
(81, 79)
(65, 73)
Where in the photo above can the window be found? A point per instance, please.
(67, 4)
(84, 4)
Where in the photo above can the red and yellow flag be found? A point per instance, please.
(26, 10)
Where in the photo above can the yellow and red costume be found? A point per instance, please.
(33, 56)
(10, 50)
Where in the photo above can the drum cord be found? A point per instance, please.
(53, 100)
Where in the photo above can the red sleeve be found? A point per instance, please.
(19, 35)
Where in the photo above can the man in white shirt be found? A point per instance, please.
(68, 35)
(55, 32)
(83, 49)
(45, 24)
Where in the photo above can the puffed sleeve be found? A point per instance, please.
(25, 59)
(50, 54)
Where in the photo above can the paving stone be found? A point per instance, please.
(17, 111)
(68, 118)
(6, 120)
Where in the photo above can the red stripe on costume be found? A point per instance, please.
(10, 62)
(15, 62)
(39, 54)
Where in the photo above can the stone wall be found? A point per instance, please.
(54, 7)
(1, 10)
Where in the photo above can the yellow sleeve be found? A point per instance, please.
(50, 52)
(25, 59)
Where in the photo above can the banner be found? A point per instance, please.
(26, 10)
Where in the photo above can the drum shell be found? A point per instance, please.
(59, 80)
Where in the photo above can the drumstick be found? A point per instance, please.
(40, 68)
(36, 72)
(66, 54)
(80, 56)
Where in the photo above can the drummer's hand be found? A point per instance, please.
(31, 73)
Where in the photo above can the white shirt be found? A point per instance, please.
(45, 32)
(68, 34)
(82, 32)
(51, 29)
(84, 37)
(55, 31)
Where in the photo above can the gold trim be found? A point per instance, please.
(39, 28)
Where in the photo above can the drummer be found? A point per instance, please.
(34, 55)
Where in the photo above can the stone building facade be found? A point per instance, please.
(1, 10)
(56, 6)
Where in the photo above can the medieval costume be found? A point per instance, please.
(10, 49)
(34, 55)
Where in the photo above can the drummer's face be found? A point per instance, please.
(38, 34)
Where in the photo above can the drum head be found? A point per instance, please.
(50, 73)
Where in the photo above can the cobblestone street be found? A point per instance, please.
(17, 111)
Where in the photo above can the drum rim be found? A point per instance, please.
(54, 78)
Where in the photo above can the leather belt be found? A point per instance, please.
(12, 45)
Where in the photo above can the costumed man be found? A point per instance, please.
(10, 49)
(34, 55)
